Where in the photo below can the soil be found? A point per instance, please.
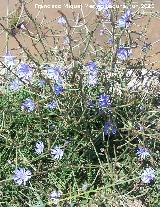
(48, 12)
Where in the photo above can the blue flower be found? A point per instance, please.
(92, 79)
(39, 147)
(146, 47)
(103, 5)
(109, 129)
(57, 153)
(62, 20)
(66, 40)
(141, 128)
(55, 196)
(127, 15)
(22, 26)
(28, 105)
(142, 153)
(92, 65)
(107, 14)
(122, 22)
(42, 83)
(52, 105)
(25, 72)
(54, 73)
(104, 101)
(21, 176)
(92, 73)
(110, 41)
(58, 88)
(15, 85)
(123, 53)
(148, 175)
(91, 104)
(9, 60)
